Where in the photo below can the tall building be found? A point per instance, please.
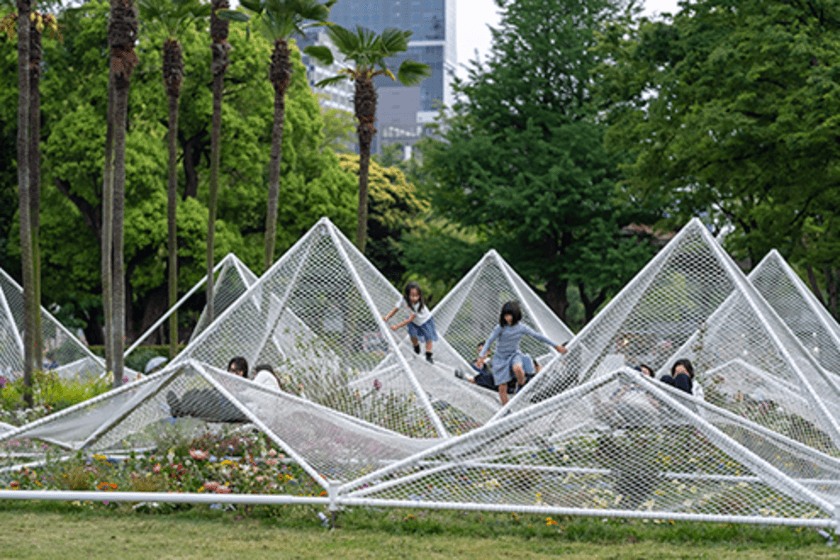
(403, 112)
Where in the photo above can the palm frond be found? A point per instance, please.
(412, 73)
(322, 54)
(395, 40)
(232, 15)
(331, 81)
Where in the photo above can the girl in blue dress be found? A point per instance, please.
(508, 359)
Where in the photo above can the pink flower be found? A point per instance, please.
(198, 454)
(272, 452)
(223, 490)
(377, 385)
(211, 486)
(271, 462)
(156, 468)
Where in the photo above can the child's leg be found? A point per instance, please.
(416, 344)
(503, 393)
(428, 346)
(519, 373)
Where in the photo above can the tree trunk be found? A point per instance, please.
(590, 306)
(107, 241)
(122, 33)
(831, 286)
(280, 75)
(220, 49)
(364, 101)
(35, 181)
(815, 287)
(24, 10)
(173, 71)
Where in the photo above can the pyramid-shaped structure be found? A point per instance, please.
(799, 308)
(648, 319)
(316, 317)
(468, 313)
(74, 359)
(618, 445)
(232, 279)
(743, 329)
(332, 447)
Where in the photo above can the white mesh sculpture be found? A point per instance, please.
(617, 445)
(316, 317)
(471, 309)
(693, 302)
(232, 278)
(136, 416)
(61, 347)
(799, 308)
(614, 444)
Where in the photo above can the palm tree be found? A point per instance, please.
(219, 28)
(24, 10)
(279, 20)
(168, 16)
(37, 23)
(122, 34)
(369, 53)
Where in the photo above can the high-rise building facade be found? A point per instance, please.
(402, 111)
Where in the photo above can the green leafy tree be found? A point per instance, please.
(278, 20)
(394, 210)
(731, 110)
(169, 17)
(74, 115)
(522, 161)
(369, 53)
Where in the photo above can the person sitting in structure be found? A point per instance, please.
(682, 377)
(264, 375)
(484, 375)
(209, 404)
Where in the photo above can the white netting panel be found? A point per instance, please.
(467, 315)
(232, 278)
(11, 346)
(815, 328)
(620, 443)
(315, 317)
(744, 356)
(649, 319)
(179, 405)
(60, 346)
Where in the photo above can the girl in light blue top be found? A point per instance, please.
(508, 359)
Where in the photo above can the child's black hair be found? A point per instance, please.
(510, 308)
(407, 291)
(686, 363)
(239, 364)
(643, 367)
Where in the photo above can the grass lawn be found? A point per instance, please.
(55, 530)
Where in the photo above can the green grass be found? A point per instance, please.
(62, 530)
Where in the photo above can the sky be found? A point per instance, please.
(473, 17)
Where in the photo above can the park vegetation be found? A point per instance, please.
(587, 135)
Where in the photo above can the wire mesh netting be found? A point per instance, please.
(809, 320)
(622, 444)
(62, 351)
(231, 279)
(316, 318)
(182, 403)
(468, 313)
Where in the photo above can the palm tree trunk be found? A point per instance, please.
(107, 241)
(35, 181)
(173, 72)
(364, 101)
(24, 9)
(280, 74)
(220, 48)
(122, 32)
